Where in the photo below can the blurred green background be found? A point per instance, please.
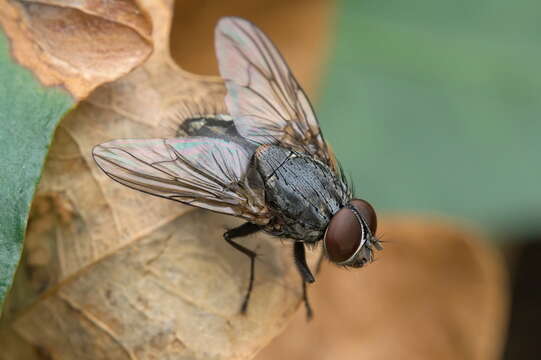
(433, 107)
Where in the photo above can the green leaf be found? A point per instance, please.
(29, 113)
(435, 107)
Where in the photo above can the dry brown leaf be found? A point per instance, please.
(76, 44)
(436, 292)
(110, 273)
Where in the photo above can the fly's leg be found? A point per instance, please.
(299, 255)
(300, 260)
(309, 312)
(244, 230)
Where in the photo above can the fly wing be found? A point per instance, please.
(205, 172)
(265, 100)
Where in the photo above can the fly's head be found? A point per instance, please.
(350, 235)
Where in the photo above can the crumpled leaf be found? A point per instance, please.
(116, 274)
(76, 44)
(51, 55)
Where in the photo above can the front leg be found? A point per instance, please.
(299, 255)
(240, 231)
(300, 260)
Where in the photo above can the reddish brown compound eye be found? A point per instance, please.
(343, 236)
(368, 213)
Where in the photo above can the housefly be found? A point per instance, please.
(265, 161)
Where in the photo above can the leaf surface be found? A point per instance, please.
(46, 66)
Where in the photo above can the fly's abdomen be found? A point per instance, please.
(302, 192)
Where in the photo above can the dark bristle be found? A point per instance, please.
(185, 110)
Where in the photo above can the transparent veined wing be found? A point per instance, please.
(263, 96)
(205, 172)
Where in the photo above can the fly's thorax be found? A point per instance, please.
(302, 192)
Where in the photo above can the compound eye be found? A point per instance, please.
(343, 236)
(368, 213)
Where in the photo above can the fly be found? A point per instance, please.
(265, 162)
